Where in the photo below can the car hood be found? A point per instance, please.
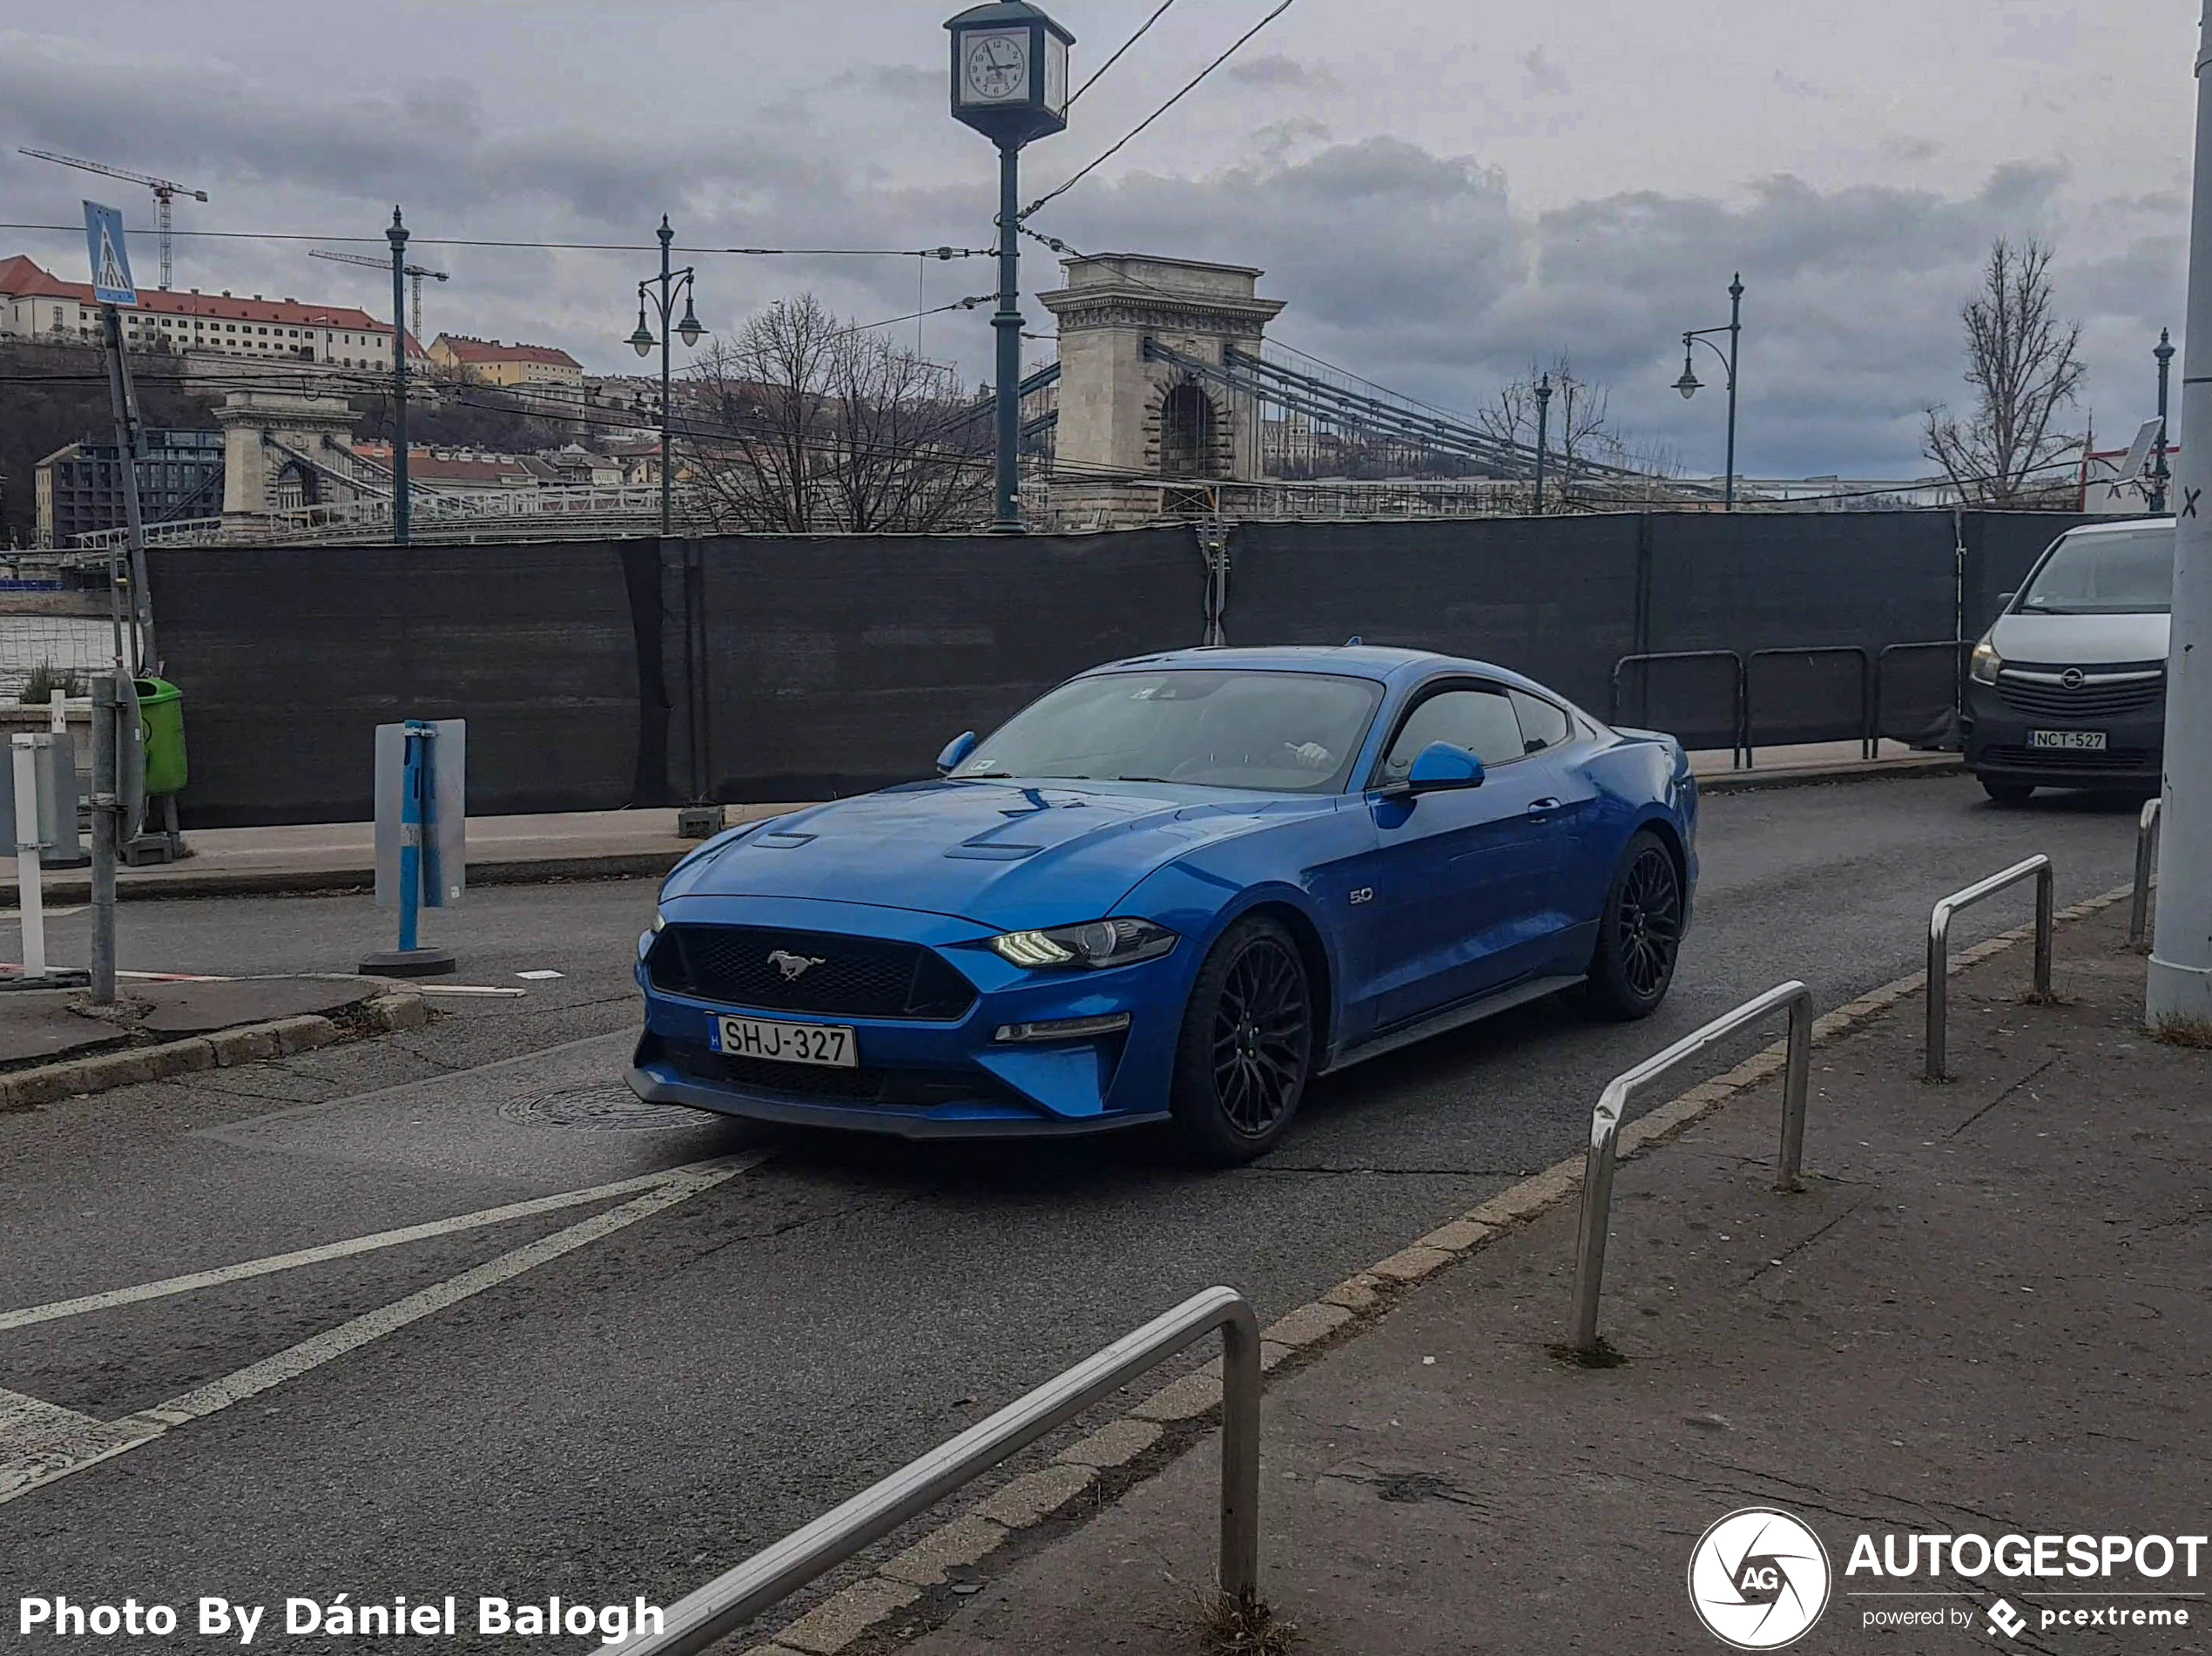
(1001, 854)
(2081, 640)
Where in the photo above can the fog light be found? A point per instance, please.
(1062, 1028)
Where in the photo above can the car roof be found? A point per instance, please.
(1378, 662)
(2120, 527)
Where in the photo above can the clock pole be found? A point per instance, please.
(1007, 321)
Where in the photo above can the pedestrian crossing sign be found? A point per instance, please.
(111, 255)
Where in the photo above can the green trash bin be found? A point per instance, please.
(161, 725)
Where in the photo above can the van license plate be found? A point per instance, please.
(2091, 739)
(830, 1045)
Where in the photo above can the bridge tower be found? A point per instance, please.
(284, 448)
(1124, 414)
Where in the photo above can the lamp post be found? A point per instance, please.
(669, 283)
(2158, 474)
(1543, 433)
(1010, 83)
(400, 515)
(1689, 386)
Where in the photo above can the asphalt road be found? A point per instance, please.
(634, 1412)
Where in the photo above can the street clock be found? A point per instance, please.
(1010, 72)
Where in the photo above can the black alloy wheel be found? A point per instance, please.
(1640, 933)
(1247, 1044)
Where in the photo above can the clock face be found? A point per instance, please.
(997, 67)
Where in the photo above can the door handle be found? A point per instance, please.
(1537, 808)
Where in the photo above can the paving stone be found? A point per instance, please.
(1306, 1324)
(1114, 1445)
(1037, 1495)
(963, 1541)
(830, 1627)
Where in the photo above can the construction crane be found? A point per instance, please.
(165, 191)
(415, 270)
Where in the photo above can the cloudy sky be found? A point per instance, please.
(1441, 189)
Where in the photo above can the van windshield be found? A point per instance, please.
(2123, 572)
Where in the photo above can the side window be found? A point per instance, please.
(1481, 721)
(1542, 725)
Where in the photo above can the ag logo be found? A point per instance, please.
(1758, 1580)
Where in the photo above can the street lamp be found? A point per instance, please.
(1010, 83)
(2160, 476)
(1690, 385)
(669, 283)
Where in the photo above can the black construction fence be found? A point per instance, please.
(598, 674)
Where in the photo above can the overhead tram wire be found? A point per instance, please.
(1101, 72)
(1192, 86)
(564, 246)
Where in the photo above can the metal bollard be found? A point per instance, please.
(2037, 867)
(1605, 1130)
(2145, 872)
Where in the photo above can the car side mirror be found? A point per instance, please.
(2005, 601)
(956, 752)
(1441, 766)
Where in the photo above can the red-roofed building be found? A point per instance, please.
(489, 362)
(35, 304)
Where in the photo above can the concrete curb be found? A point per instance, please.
(102, 1072)
(867, 1606)
(1757, 782)
(247, 882)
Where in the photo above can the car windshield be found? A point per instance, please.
(2130, 572)
(1280, 732)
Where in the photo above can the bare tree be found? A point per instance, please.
(2021, 360)
(1578, 430)
(805, 424)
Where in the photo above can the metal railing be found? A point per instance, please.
(2146, 872)
(2037, 868)
(1605, 1130)
(1738, 754)
(1860, 727)
(733, 1598)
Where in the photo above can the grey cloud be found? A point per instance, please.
(1275, 72)
(1545, 76)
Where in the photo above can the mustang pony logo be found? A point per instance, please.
(793, 967)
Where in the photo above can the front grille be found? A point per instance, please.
(2077, 760)
(900, 1087)
(855, 976)
(2090, 700)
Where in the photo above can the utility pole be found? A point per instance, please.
(1006, 324)
(2158, 474)
(400, 514)
(1543, 435)
(2179, 990)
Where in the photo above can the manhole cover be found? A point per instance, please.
(599, 1110)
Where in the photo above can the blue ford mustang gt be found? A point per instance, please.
(1174, 889)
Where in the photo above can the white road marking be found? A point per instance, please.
(41, 1444)
(496, 991)
(238, 1272)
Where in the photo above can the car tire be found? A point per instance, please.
(2007, 793)
(1639, 933)
(1246, 1049)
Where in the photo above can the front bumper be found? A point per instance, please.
(1999, 737)
(920, 1079)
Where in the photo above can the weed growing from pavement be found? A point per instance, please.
(1233, 1625)
(1600, 1354)
(2193, 1032)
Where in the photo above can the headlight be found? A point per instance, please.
(659, 920)
(1983, 667)
(1098, 942)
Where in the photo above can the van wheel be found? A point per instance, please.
(2007, 793)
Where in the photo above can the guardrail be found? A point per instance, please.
(1605, 1130)
(2037, 868)
(2145, 872)
(733, 1598)
(1893, 705)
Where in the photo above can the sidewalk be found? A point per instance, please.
(1989, 1314)
(587, 845)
